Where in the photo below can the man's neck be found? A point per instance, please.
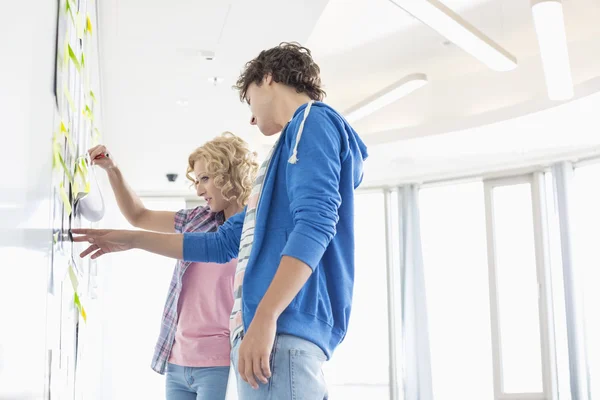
(289, 102)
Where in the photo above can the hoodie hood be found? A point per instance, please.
(356, 148)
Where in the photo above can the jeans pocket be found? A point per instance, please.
(272, 361)
(306, 375)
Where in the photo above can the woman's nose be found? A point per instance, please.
(253, 120)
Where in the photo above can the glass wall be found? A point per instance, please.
(486, 251)
(456, 278)
(359, 368)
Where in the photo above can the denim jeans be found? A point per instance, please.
(295, 372)
(196, 383)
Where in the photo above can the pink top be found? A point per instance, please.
(205, 303)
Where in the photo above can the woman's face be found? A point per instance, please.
(205, 188)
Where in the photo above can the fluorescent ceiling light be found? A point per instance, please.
(550, 28)
(386, 97)
(450, 25)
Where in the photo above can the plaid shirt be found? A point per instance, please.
(198, 219)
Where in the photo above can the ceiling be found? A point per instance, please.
(159, 103)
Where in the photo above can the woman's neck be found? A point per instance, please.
(231, 211)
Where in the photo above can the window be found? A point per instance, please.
(586, 259)
(456, 281)
(517, 290)
(520, 287)
(359, 368)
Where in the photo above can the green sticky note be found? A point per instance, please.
(62, 163)
(70, 11)
(74, 58)
(87, 112)
(82, 60)
(92, 96)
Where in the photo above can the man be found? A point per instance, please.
(295, 240)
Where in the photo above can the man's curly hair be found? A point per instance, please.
(289, 64)
(231, 165)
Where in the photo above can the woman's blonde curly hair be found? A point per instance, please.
(231, 165)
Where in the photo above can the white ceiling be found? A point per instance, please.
(151, 60)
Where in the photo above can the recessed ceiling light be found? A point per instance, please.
(182, 103)
(215, 80)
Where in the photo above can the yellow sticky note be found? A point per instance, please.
(79, 25)
(97, 137)
(81, 176)
(66, 50)
(69, 98)
(55, 151)
(65, 132)
(73, 278)
(75, 188)
(83, 166)
(88, 25)
(65, 198)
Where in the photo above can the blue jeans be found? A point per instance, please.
(196, 383)
(295, 372)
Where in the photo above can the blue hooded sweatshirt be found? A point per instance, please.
(305, 211)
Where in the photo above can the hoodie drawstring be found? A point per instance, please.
(294, 158)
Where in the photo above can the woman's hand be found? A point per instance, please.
(104, 241)
(101, 157)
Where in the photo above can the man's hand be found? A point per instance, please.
(256, 347)
(255, 350)
(104, 241)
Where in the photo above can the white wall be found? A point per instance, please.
(27, 31)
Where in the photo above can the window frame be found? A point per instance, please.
(536, 183)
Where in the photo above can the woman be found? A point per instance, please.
(193, 347)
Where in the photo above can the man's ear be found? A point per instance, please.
(268, 79)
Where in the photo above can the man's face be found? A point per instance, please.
(262, 100)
